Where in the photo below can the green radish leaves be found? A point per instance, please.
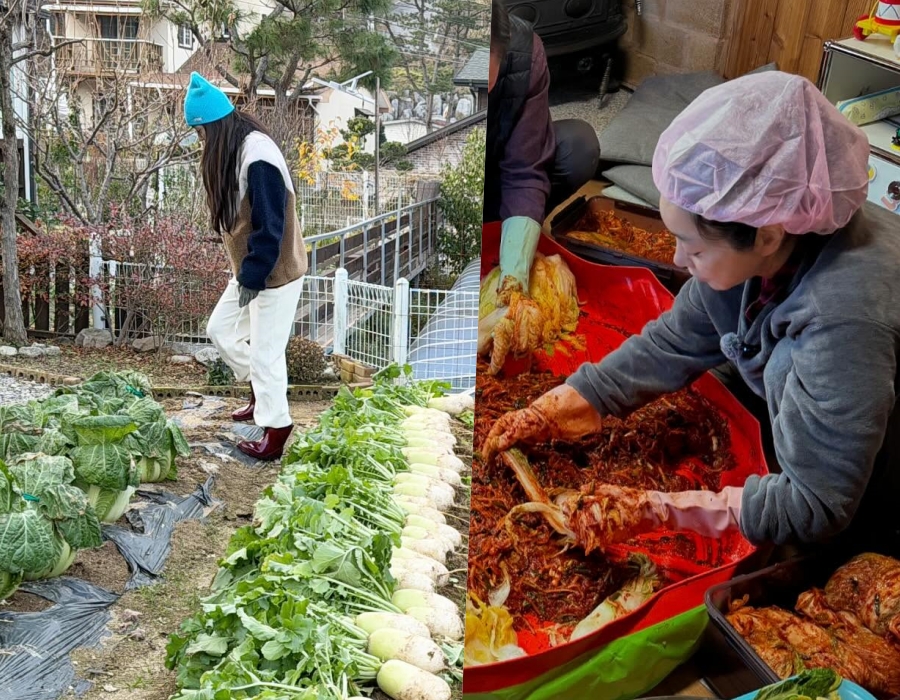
(279, 622)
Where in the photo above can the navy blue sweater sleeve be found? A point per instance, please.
(268, 196)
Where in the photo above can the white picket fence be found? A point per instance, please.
(379, 325)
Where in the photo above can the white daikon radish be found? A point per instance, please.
(405, 599)
(426, 423)
(435, 458)
(427, 443)
(423, 411)
(438, 498)
(427, 414)
(445, 531)
(453, 404)
(413, 580)
(441, 623)
(413, 500)
(422, 511)
(438, 436)
(424, 479)
(414, 532)
(387, 644)
(431, 548)
(438, 441)
(369, 622)
(404, 553)
(448, 476)
(422, 565)
(403, 681)
(420, 533)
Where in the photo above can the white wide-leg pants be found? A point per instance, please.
(252, 341)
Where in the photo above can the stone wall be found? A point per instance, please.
(675, 36)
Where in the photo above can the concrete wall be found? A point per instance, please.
(404, 130)
(165, 33)
(337, 108)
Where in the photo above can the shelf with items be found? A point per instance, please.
(882, 135)
(853, 69)
(877, 48)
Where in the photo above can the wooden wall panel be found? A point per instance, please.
(855, 10)
(789, 30)
(826, 21)
(790, 33)
(751, 37)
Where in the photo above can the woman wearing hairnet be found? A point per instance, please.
(795, 282)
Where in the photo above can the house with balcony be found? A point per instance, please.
(100, 40)
(116, 38)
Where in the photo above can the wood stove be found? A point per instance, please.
(572, 26)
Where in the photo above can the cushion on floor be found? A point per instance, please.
(636, 180)
(632, 136)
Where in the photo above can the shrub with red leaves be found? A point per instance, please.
(167, 279)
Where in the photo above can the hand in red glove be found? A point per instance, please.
(560, 414)
(610, 514)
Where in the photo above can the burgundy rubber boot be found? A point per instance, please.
(271, 447)
(246, 413)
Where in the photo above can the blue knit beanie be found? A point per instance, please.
(204, 102)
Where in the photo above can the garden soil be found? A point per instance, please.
(83, 363)
(129, 663)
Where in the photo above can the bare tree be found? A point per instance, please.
(107, 141)
(435, 39)
(21, 40)
(285, 47)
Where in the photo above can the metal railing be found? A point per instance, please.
(432, 329)
(380, 325)
(330, 200)
(95, 56)
(381, 250)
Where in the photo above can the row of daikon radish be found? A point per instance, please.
(408, 642)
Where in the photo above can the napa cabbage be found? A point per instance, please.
(105, 467)
(157, 442)
(537, 321)
(44, 520)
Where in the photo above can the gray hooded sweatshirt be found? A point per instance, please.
(824, 359)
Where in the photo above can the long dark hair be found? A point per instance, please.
(739, 236)
(218, 165)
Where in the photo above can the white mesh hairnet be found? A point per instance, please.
(765, 149)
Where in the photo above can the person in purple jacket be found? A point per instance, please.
(532, 163)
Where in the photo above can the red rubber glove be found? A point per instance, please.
(560, 414)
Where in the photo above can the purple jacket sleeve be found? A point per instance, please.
(531, 149)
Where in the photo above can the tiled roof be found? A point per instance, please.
(475, 72)
(446, 131)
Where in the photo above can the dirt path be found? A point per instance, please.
(129, 664)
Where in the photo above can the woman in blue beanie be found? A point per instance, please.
(252, 205)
